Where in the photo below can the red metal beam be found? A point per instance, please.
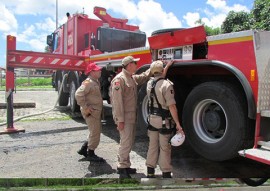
(28, 59)
(101, 13)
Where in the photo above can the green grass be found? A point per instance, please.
(58, 184)
(64, 183)
(30, 82)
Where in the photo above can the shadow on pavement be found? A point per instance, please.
(97, 169)
(186, 162)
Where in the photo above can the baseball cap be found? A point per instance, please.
(156, 67)
(128, 60)
(92, 67)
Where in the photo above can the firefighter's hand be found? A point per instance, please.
(179, 129)
(120, 126)
(169, 62)
(88, 111)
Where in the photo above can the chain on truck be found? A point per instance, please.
(222, 82)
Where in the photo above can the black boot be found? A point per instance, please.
(129, 170)
(150, 172)
(92, 157)
(83, 150)
(123, 173)
(166, 175)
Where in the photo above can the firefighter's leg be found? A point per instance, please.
(165, 155)
(94, 126)
(153, 153)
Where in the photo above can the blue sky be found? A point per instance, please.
(32, 20)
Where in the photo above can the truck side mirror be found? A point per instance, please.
(50, 40)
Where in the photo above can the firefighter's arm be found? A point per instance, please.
(143, 77)
(117, 100)
(168, 64)
(80, 97)
(174, 113)
(168, 94)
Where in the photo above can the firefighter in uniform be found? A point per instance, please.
(124, 105)
(89, 98)
(163, 118)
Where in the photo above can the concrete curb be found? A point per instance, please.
(183, 188)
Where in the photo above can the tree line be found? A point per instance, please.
(258, 18)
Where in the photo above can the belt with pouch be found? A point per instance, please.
(156, 111)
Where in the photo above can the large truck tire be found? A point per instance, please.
(63, 97)
(74, 107)
(215, 120)
(142, 112)
(254, 181)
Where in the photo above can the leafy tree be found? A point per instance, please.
(236, 21)
(212, 31)
(260, 14)
(209, 30)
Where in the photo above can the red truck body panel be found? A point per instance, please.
(241, 55)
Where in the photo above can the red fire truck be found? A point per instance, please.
(92, 38)
(222, 82)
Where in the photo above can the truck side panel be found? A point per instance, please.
(239, 52)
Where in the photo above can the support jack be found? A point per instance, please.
(10, 130)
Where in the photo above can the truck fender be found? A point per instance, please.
(245, 84)
(237, 73)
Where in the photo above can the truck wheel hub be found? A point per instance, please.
(209, 121)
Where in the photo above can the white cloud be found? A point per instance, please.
(221, 5)
(215, 14)
(151, 17)
(27, 34)
(22, 7)
(191, 18)
(37, 44)
(238, 7)
(47, 25)
(215, 21)
(8, 21)
(217, 4)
